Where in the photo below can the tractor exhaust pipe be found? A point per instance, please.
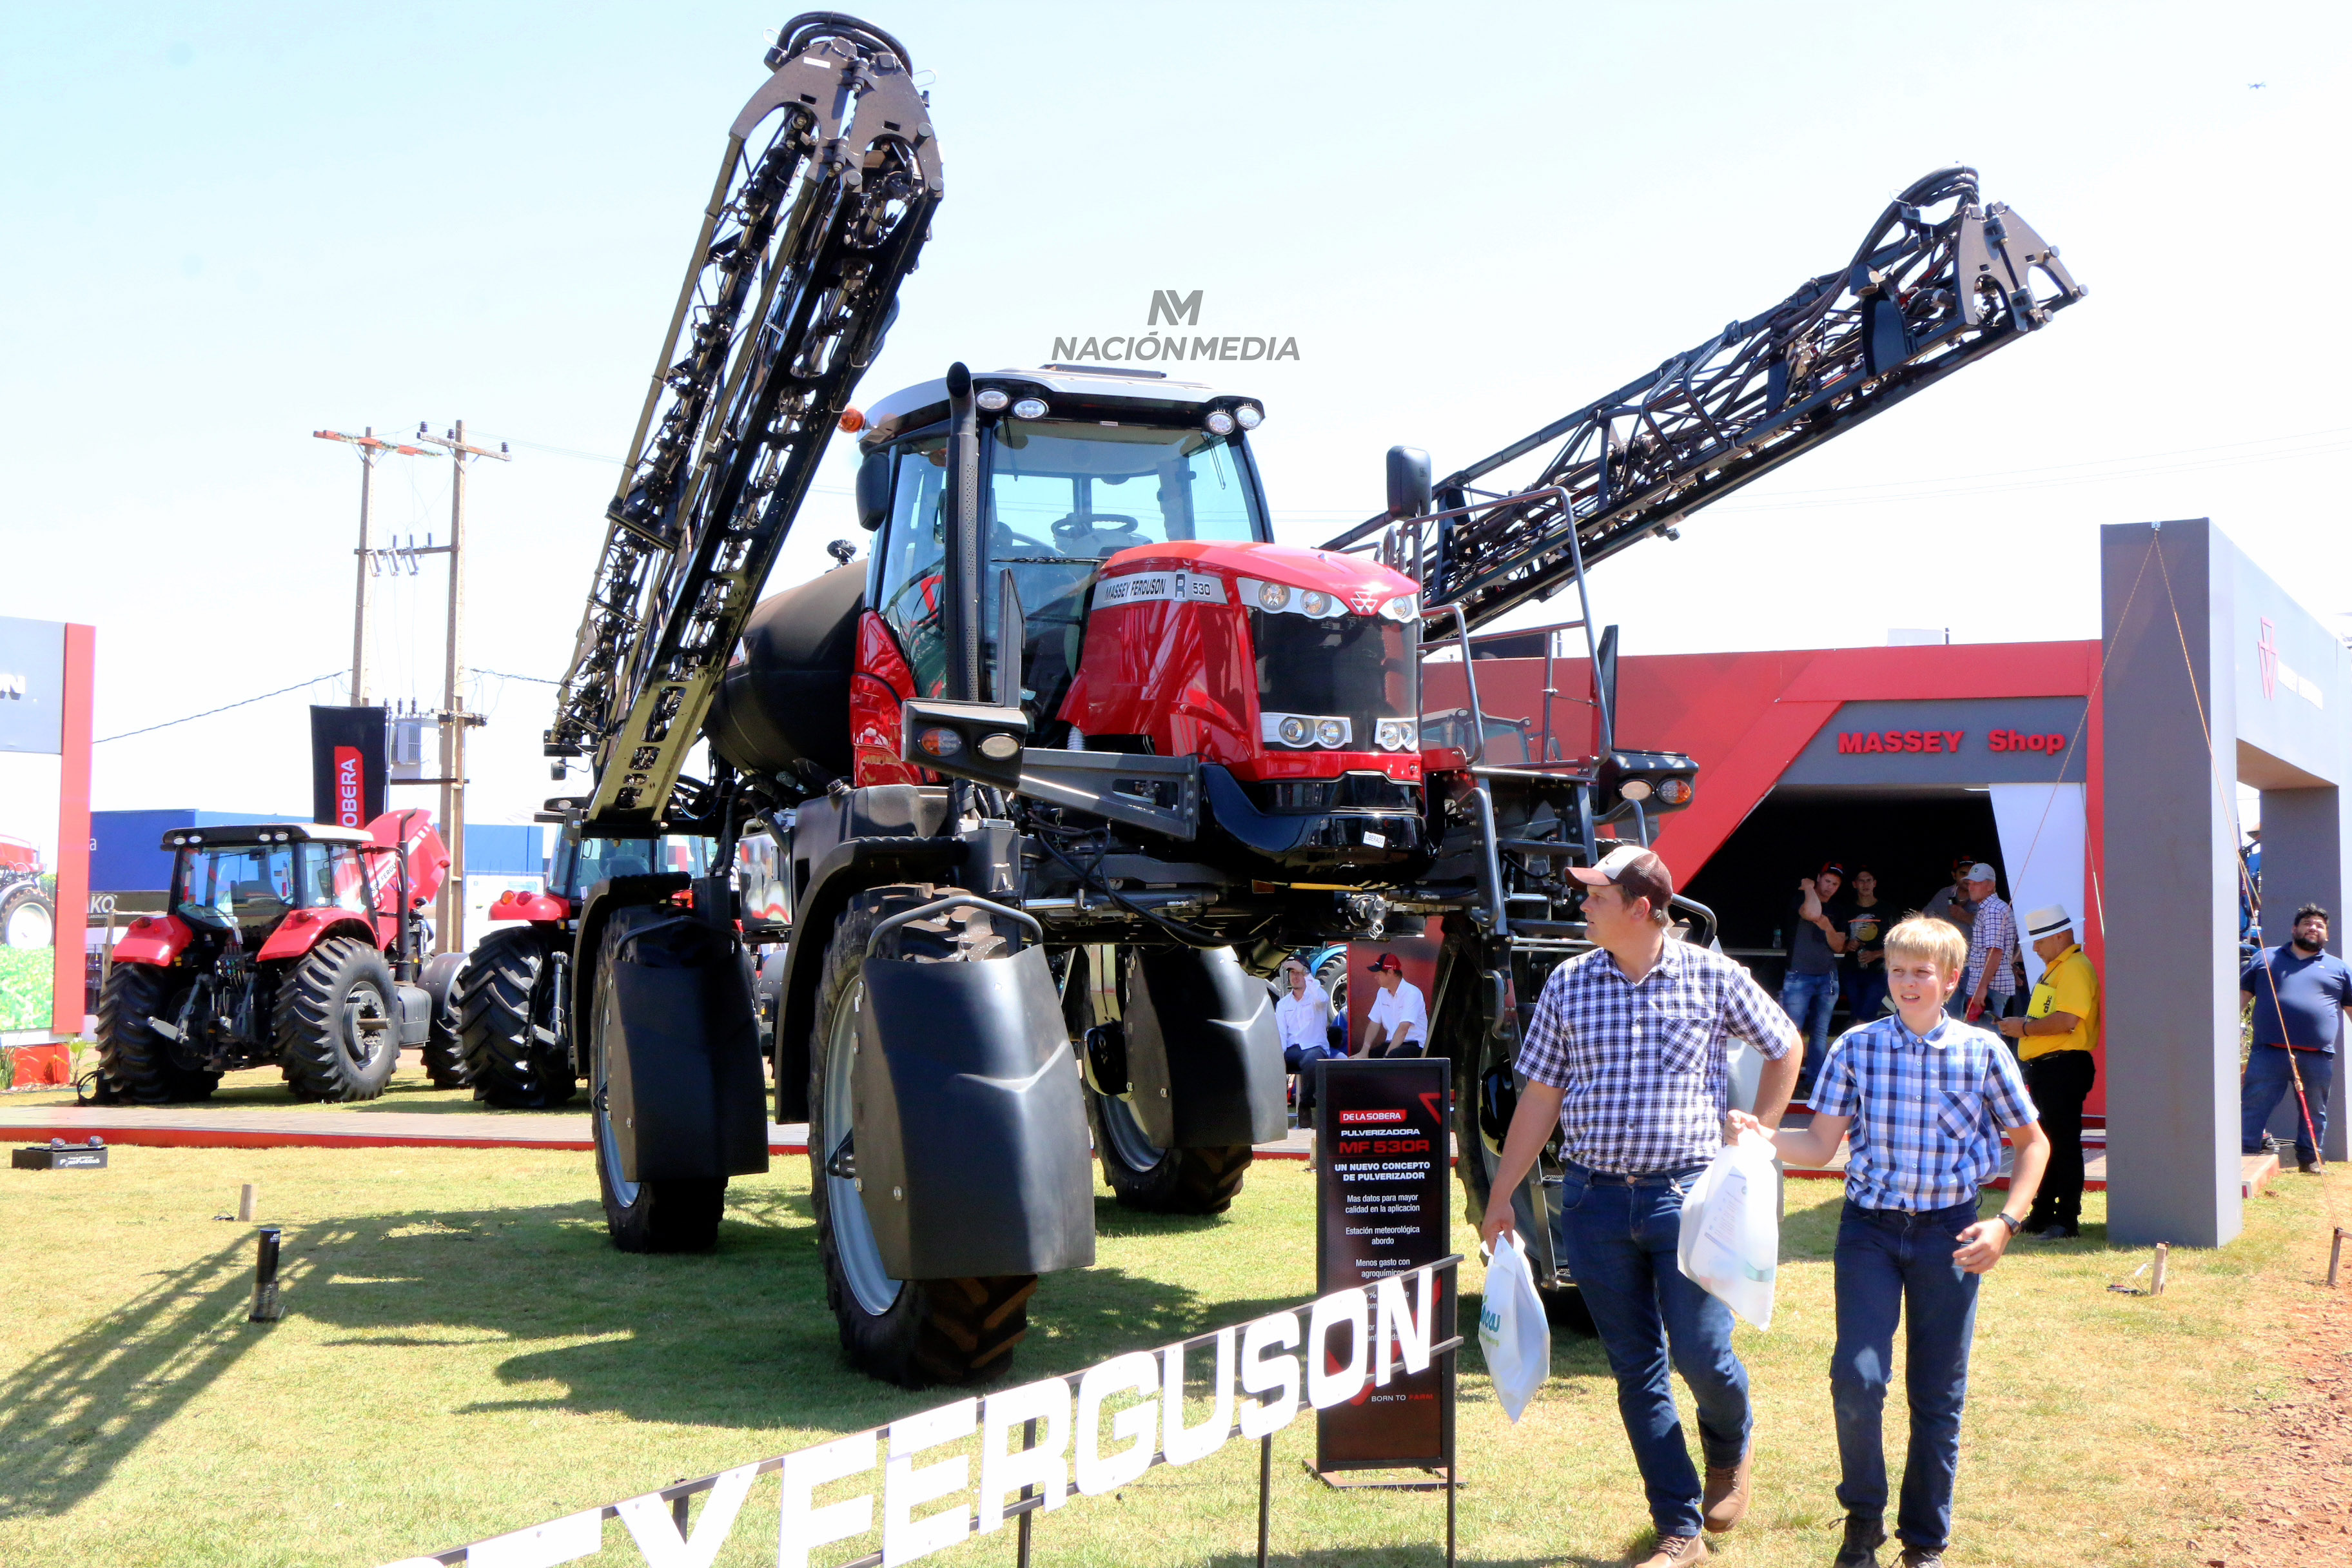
(964, 612)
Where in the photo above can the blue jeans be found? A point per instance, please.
(1888, 1261)
(1619, 1242)
(1864, 991)
(1809, 1000)
(2268, 1080)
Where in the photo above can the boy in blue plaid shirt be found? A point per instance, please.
(1924, 1097)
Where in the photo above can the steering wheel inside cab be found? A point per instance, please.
(1098, 533)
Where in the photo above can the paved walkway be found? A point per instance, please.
(294, 1128)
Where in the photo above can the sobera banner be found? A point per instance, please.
(347, 767)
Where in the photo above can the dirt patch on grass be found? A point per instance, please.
(2296, 1489)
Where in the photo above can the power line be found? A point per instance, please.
(502, 674)
(208, 712)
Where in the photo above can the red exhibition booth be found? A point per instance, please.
(45, 673)
(1899, 758)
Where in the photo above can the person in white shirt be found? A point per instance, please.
(1302, 1016)
(1398, 1023)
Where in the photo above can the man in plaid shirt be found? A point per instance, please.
(1991, 979)
(1923, 1097)
(1627, 1054)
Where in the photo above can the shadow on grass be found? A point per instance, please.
(73, 1412)
(741, 1337)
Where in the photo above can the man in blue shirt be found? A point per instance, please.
(2299, 993)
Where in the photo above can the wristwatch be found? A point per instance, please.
(2015, 1225)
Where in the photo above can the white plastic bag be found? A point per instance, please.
(1512, 1330)
(1730, 1242)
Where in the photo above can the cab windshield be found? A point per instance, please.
(249, 887)
(252, 886)
(582, 863)
(1063, 497)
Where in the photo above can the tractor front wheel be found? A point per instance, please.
(1143, 1175)
(135, 1059)
(338, 1022)
(505, 1002)
(1139, 1173)
(678, 1215)
(914, 1332)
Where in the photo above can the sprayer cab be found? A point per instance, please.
(1118, 519)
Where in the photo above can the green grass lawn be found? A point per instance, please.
(463, 1356)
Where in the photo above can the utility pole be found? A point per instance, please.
(450, 910)
(370, 449)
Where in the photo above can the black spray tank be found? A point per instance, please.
(786, 700)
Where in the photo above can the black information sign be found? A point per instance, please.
(1380, 1201)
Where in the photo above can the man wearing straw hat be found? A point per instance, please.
(2055, 1042)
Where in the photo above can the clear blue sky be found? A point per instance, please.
(230, 225)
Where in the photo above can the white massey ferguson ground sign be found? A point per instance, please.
(1386, 1326)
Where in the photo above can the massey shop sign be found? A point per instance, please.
(1970, 740)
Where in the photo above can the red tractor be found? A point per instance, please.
(291, 942)
(509, 1002)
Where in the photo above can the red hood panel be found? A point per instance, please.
(1295, 564)
(1180, 670)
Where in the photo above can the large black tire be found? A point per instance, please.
(674, 1215)
(1139, 1173)
(445, 1054)
(1333, 978)
(337, 1021)
(913, 1332)
(444, 1051)
(135, 1062)
(505, 1002)
(28, 916)
(1480, 1121)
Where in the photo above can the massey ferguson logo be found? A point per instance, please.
(349, 810)
(1171, 309)
(2277, 672)
(1364, 601)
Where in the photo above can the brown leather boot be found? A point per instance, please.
(1725, 1501)
(1676, 1552)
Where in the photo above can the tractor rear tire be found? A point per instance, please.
(680, 1215)
(135, 1064)
(505, 1003)
(337, 1019)
(913, 1332)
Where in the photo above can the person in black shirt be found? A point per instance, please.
(1817, 935)
(1863, 969)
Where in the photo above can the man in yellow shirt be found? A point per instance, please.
(2055, 1041)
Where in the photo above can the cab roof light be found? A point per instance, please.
(995, 399)
(1218, 423)
(1249, 416)
(1031, 409)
